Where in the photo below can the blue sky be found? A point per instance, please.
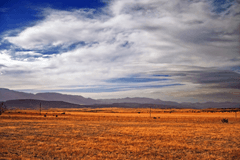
(171, 50)
(16, 14)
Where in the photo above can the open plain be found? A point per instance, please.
(116, 133)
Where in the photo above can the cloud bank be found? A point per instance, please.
(118, 50)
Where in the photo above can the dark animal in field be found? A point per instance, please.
(154, 117)
(224, 120)
(56, 115)
(45, 115)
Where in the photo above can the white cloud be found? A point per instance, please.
(4, 57)
(31, 53)
(123, 39)
(4, 9)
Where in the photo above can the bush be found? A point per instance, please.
(224, 120)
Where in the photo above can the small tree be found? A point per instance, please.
(2, 108)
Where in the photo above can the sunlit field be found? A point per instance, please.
(116, 133)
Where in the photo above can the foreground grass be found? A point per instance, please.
(89, 136)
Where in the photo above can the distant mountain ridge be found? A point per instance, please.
(35, 104)
(66, 98)
(6, 95)
(140, 100)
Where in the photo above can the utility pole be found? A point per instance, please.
(40, 108)
(150, 111)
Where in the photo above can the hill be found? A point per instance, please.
(6, 94)
(35, 104)
(56, 98)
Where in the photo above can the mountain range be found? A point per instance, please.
(73, 101)
(6, 94)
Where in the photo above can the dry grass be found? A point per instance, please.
(118, 134)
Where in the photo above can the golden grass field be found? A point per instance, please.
(116, 133)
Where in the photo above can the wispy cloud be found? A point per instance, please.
(193, 43)
(4, 9)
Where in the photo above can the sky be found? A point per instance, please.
(178, 50)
